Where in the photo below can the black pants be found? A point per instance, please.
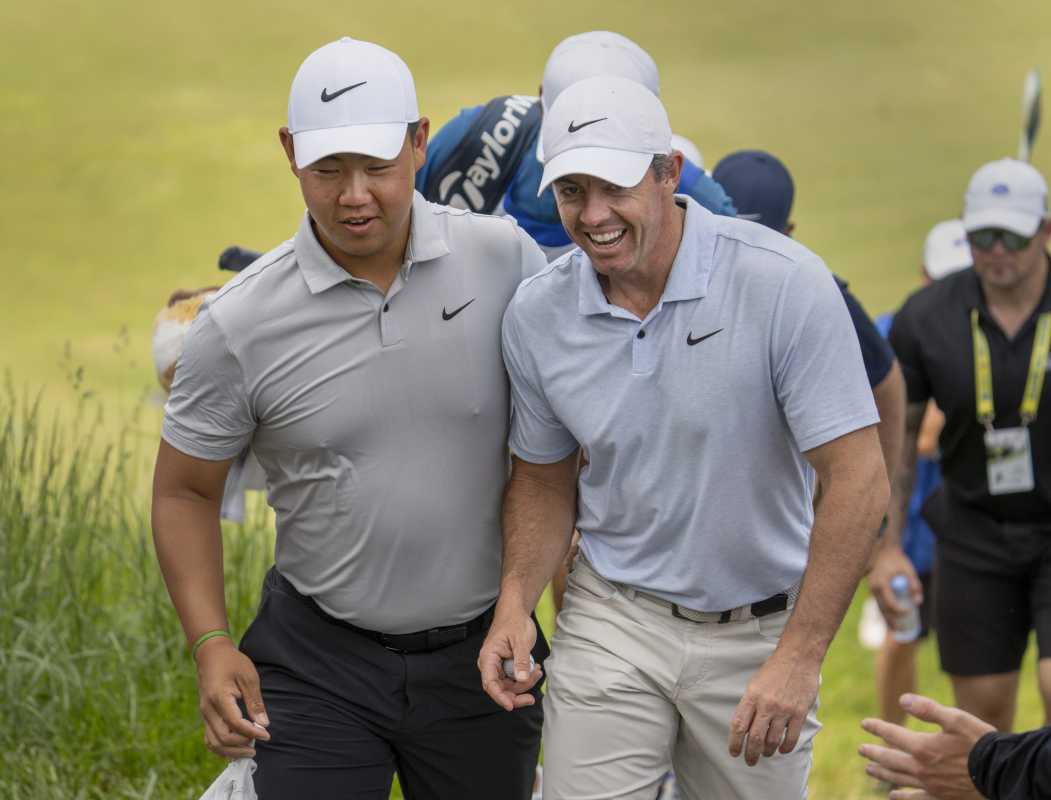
(346, 713)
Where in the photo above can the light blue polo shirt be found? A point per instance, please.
(694, 420)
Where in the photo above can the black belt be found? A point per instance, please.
(417, 642)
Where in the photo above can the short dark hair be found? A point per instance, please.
(413, 127)
(662, 166)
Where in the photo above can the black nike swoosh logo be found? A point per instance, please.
(574, 128)
(446, 315)
(691, 341)
(327, 98)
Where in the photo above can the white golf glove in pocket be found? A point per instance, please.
(235, 782)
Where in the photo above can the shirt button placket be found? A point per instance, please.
(641, 352)
(390, 332)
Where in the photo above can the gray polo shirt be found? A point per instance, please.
(381, 421)
(694, 420)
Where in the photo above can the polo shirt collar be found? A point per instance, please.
(321, 273)
(690, 271)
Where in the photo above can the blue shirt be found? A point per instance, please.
(538, 216)
(695, 419)
(917, 538)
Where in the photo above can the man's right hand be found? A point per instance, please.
(510, 636)
(887, 561)
(224, 675)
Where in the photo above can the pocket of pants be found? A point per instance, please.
(771, 626)
(584, 581)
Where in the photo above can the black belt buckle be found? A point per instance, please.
(402, 643)
(771, 605)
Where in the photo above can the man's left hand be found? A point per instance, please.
(933, 762)
(771, 714)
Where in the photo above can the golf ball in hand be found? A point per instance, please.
(509, 667)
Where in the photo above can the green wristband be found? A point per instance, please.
(204, 637)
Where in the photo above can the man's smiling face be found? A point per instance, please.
(620, 228)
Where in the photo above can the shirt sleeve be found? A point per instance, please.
(875, 351)
(1012, 766)
(703, 188)
(905, 341)
(208, 415)
(537, 435)
(818, 373)
(533, 258)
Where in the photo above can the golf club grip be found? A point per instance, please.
(235, 259)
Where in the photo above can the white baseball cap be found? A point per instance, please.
(946, 249)
(587, 55)
(607, 126)
(1006, 194)
(350, 97)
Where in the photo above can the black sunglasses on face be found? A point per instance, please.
(986, 238)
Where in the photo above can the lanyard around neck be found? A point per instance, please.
(983, 373)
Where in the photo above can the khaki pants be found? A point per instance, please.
(633, 691)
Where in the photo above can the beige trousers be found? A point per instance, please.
(633, 691)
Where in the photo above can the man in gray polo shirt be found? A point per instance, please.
(361, 361)
(707, 369)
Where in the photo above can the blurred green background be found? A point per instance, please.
(142, 139)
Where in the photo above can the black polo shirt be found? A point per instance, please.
(931, 337)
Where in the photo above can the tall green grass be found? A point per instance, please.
(98, 695)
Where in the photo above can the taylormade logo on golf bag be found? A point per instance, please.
(479, 171)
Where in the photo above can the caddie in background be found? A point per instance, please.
(984, 363)
(488, 158)
(945, 251)
(361, 360)
(687, 356)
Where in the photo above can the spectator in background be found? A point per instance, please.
(977, 342)
(945, 251)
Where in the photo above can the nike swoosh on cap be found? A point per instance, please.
(446, 315)
(574, 128)
(691, 341)
(327, 98)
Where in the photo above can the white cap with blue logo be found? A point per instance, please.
(1007, 194)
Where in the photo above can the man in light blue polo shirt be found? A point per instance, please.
(707, 369)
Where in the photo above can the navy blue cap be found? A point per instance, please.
(759, 185)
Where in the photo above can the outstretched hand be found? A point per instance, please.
(935, 763)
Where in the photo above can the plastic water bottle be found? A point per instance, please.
(906, 625)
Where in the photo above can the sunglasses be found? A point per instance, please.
(986, 238)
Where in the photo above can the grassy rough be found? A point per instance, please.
(98, 694)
